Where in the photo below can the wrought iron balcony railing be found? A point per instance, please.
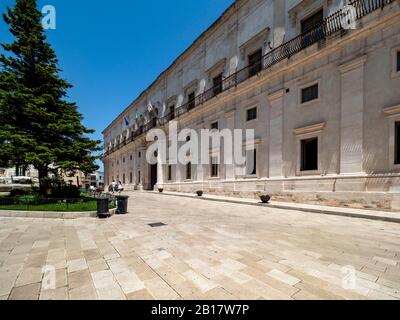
(318, 32)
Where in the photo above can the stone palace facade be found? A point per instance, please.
(322, 94)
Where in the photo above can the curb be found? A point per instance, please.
(326, 211)
(51, 214)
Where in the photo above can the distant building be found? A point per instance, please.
(82, 180)
(97, 179)
(78, 179)
(10, 175)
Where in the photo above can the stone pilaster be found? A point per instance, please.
(352, 107)
(276, 134)
(230, 124)
(160, 171)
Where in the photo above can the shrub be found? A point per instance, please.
(65, 192)
(57, 188)
(18, 192)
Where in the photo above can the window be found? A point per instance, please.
(169, 173)
(172, 112)
(123, 160)
(191, 100)
(139, 154)
(251, 162)
(189, 171)
(310, 93)
(123, 178)
(308, 24)
(251, 114)
(214, 125)
(20, 171)
(130, 178)
(312, 21)
(217, 84)
(397, 143)
(117, 162)
(139, 178)
(255, 62)
(214, 167)
(131, 157)
(309, 154)
(398, 62)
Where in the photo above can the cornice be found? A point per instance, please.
(392, 111)
(276, 95)
(315, 128)
(353, 64)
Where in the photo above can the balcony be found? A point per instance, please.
(320, 31)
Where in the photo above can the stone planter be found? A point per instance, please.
(199, 193)
(265, 198)
(160, 190)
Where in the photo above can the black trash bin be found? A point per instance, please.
(102, 208)
(122, 204)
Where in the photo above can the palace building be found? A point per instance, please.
(318, 82)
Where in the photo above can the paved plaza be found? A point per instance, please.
(205, 250)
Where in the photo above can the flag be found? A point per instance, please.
(150, 107)
(126, 119)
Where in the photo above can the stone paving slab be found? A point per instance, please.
(204, 250)
(310, 208)
(50, 214)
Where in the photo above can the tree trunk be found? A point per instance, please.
(43, 174)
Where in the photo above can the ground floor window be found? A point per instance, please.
(310, 93)
(251, 114)
(214, 167)
(397, 143)
(251, 162)
(169, 173)
(189, 171)
(139, 178)
(398, 61)
(130, 178)
(309, 154)
(123, 178)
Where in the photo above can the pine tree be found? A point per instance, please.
(37, 125)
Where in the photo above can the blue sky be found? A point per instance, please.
(112, 50)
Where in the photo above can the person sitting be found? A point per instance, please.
(120, 188)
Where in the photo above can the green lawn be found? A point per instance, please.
(58, 207)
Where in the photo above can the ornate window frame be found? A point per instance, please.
(308, 132)
(393, 115)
